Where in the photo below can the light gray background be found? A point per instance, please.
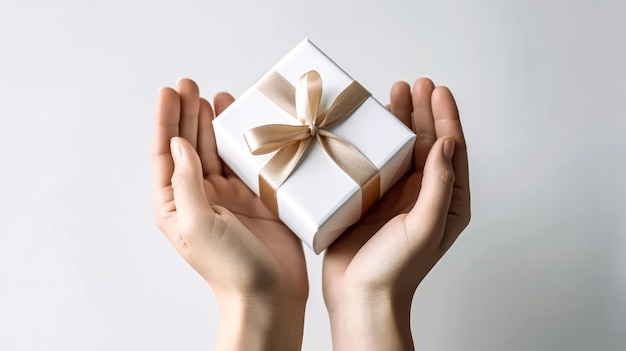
(540, 88)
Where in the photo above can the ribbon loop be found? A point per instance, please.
(272, 137)
(308, 97)
(292, 141)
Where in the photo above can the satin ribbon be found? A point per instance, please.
(292, 141)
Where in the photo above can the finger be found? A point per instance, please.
(423, 124)
(189, 107)
(448, 124)
(427, 219)
(401, 104)
(207, 150)
(189, 194)
(165, 127)
(222, 101)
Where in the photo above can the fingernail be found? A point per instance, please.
(177, 151)
(448, 149)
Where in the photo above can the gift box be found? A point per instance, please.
(313, 144)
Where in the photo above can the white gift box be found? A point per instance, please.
(318, 201)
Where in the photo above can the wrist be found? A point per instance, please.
(259, 323)
(372, 321)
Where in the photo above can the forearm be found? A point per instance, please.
(372, 323)
(260, 324)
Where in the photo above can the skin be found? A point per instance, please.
(256, 266)
(371, 272)
(253, 263)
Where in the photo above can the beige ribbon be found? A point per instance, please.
(292, 141)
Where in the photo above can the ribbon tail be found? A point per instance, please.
(355, 165)
(277, 170)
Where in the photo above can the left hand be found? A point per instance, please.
(371, 272)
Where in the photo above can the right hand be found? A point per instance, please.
(249, 258)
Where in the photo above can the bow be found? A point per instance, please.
(291, 141)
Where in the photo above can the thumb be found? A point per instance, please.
(189, 195)
(431, 208)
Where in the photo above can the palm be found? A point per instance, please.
(281, 244)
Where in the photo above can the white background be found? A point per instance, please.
(540, 85)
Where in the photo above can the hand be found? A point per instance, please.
(371, 272)
(254, 264)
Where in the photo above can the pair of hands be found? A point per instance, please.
(256, 266)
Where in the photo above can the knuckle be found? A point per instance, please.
(187, 223)
(181, 178)
(195, 223)
(446, 175)
(425, 138)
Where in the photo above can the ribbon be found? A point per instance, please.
(291, 141)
